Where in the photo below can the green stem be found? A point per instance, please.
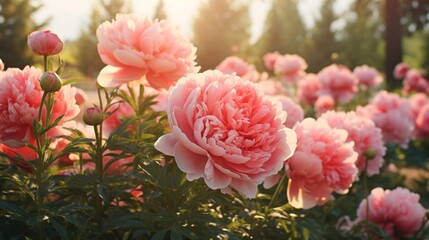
(45, 63)
(365, 184)
(276, 193)
(100, 172)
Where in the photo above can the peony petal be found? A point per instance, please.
(129, 58)
(161, 65)
(248, 189)
(298, 198)
(214, 178)
(111, 76)
(189, 162)
(165, 144)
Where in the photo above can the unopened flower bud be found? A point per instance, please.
(50, 82)
(92, 116)
(370, 153)
(45, 43)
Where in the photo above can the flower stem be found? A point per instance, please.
(100, 172)
(276, 193)
(365, 184)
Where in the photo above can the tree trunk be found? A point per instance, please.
(393, 41)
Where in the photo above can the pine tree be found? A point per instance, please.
(160, 11)
(16, 24)
(284, 30)
(362, 36)
(220, 26)
(88, 61)
(323, 43)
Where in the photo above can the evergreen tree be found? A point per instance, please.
(284, 29)
(362, 35)
(220, 26)
(16, 24)
(160, 11)
(323, 43)
(88, 61)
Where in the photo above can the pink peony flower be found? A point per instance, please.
(272, 87)
(241, 68)
(294, 111)
(392, 114)
(226, 131)
(398, 212)
(367, 76)
(45, 43)
(365, 135)
(323, 163)
(417, 101)
(324, 104)
(1, 65)
(136, 47)
(422, 122)
(290, 67)
(339, 82)
(308, 89)
(121, 113)
(270, 59)
(19, 106)
(415, 82)
(81, 97)
(418, 104)
(401, 70)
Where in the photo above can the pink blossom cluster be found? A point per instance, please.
(141, 49)
(20, 102)
(415, 82)
(338, 82)
(392, 114)
(323, 163)
(398, 212)
(226, 131)
(234, 64)
(367, 76)
(290, 67)
(365, 135)
(419, 103)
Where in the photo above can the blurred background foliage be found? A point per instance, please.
(367, 33)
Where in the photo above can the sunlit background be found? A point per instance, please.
(68, 16)
(323, 32)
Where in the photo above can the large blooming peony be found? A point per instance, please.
(323, 163)
(365, 135)
(134, 48)
(226, 131)
(392, 114)
(397, 211)
(19, 105)
(339, 82)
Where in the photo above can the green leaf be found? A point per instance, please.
(61, 230)
(12, 208)
(175, 236)
(70, 81)
(102, 193)
(160, 235)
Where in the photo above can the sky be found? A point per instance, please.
(69, 16)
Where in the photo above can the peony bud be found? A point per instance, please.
(370, 153)
(92, 116)
(45, 43)
(50, 82)
(1, 65)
